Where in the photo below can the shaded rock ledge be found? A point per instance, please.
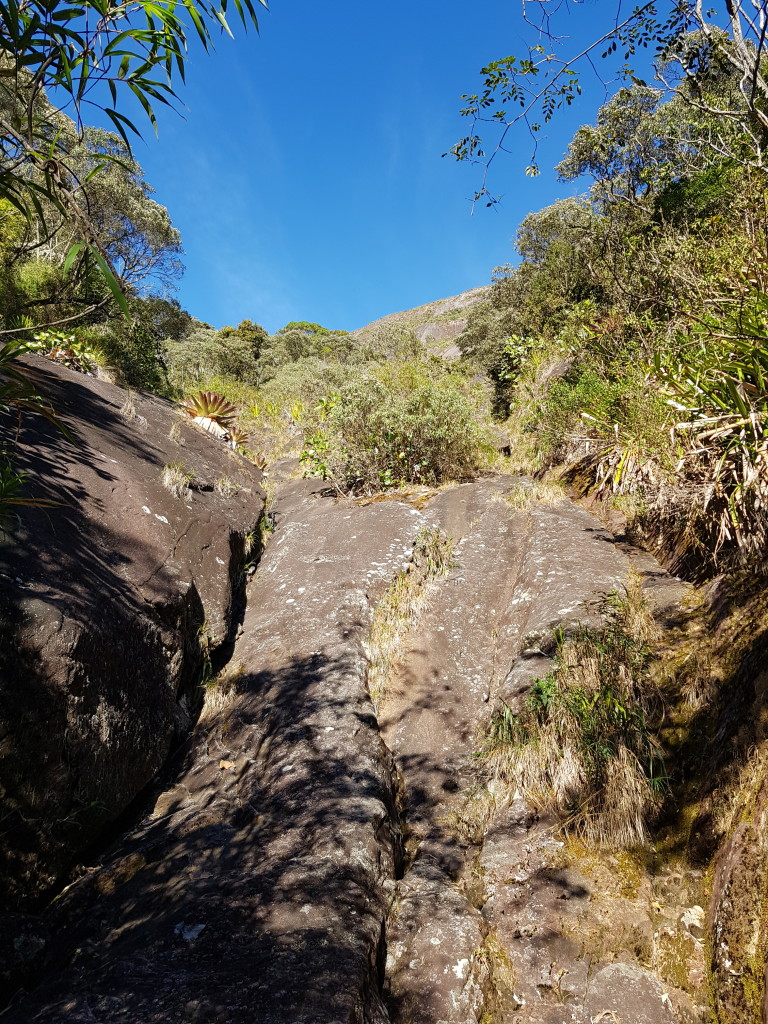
(257, 887)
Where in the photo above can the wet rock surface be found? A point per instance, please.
(109, 602)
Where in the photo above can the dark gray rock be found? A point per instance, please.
(255, 889)
(630, 993)
(436, 968)
(109, 602)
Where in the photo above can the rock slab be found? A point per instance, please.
(109, 602)
(257, 887)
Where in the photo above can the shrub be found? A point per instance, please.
(67, 349)
(717, 380)
(307, 381)
(405, 425)
(133, 350)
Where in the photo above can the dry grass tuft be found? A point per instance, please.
(226, 487)
(401, 605)
(470, 821)
(632, 612)
(129, 413)
(222, 689)
(537, 492)
(128, 409)
(579, 744)
(742, 784)
(177, 480)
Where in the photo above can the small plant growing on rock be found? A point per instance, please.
(225, 487)
(238, 438)
(211, 407)
(129, 413)
(220, 690)
(525, 496)
(580, 743)
(402, 604)
(177, 480)
(65, 349)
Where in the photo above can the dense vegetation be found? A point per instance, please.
(630, 345)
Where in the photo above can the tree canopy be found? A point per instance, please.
(58, 60)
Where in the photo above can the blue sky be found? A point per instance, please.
(306, 176)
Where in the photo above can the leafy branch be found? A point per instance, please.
(529, 90)
(58, 57)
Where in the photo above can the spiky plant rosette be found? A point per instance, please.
(211, 406)
(238, 437)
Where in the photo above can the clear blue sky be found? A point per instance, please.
(306, 177)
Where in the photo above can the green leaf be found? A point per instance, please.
(72, 255)
(109, 277)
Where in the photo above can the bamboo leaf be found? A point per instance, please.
(72, 255)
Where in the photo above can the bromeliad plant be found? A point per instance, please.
(238, 437)
(208, 405)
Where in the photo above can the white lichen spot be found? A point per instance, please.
(460, 969)
(188, 932)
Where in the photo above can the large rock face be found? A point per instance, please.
(109, 602)
(257, 887)
(437, 325)
(304, 858)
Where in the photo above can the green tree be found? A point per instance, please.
(248, 337)
(293, 343)
(308, 328)
(133, 230)
(56, 56)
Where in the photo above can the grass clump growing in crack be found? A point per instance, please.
(226, 487)
(580, 743)
(221, 689)
(538, 492)
(178, 480)
(402, 603)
